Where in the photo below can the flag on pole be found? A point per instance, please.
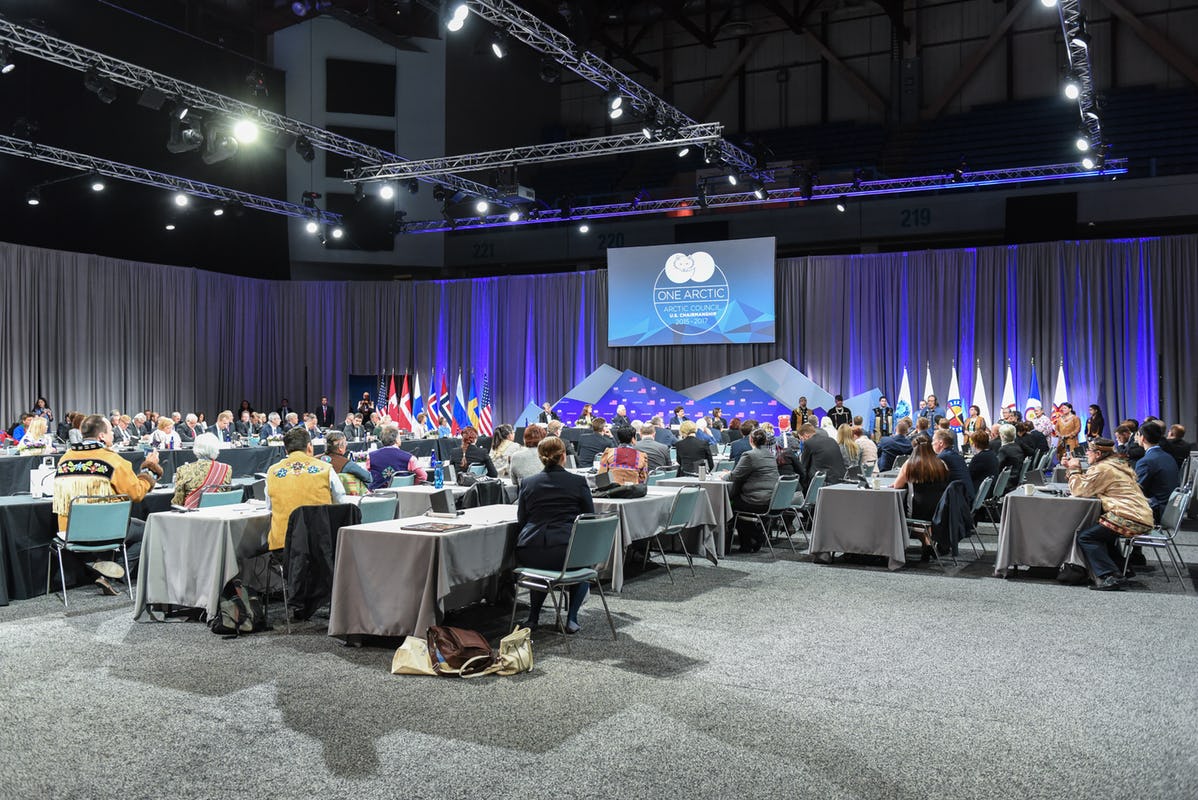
(954, 408)
(928, 391)
(405, 407)
(1061, 393)
(392, 402)
(446, 404)
(431, 406)
(979, 395)
(461, 418)
(380, 401)
(472, 405)
(484, 414)
(903, 407)
(417, 404)
(1008, 392)
(1033, 394)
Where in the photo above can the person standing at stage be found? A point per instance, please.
(1069, 425)
(883, 419)
(931, 411)
(801, 415)
(840, 414)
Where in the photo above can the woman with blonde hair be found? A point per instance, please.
(849, 450)
(35, 437)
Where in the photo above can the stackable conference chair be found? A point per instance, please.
(1023, 470)
(591, 541)
(784, 493)
(215, 496)
(1164, 535)
(478, 469)
(805, 504)
(994, 502)
(95, 524)
(378, 508)
(899, 461)
(406, 479)
(661, 474)
(681, 511)
(979, 502)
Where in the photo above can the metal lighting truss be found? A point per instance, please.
(24, 148)
(1079, 67)
(927, 183)
(535, 154)
(548, 40)
(61, 52)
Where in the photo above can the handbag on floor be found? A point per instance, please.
(412, 658)
(515, 652)
(458, 651)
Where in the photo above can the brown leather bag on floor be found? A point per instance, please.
(458, 651)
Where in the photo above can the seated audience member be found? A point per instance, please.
(352, 430)
(1125, 510)
(554, 428)
(626, 464)
(300, 479)
(734, 432)
(891, 447)
(1126, 446)
(1010, 454)
(290, 421)
(691, 451)
(594, 442)
(192, 478)
(867, 446)
(469, 454)
(753, 480)
(223, 429)
(927, 476)
(984, 463)
(420, 430)
(390, 459)
(75, 434)
(354, 477)
(942, 445)
(503, 447)
(850, 453)
(122, 433)
(1026, 445)
(1156, 471)
(995, 438)
(189, 431)
(89, 469)
(742, 445)
(923, 427)
(662, 432)
(819, 453)
(176, 418)
(658, 454)
(549, 502)
(444, 428)
(35, 437)
(139, 425)
(311, 426)
(1175, 444)
(244, 426)
(945, 425)
(272, 428)
(787, 458)
(702, 433)
(165, 437)
(621, 420)
(372, 422)
(18, 431)
(1036, 438)
(525, 461)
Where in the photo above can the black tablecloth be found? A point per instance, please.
(14, 473)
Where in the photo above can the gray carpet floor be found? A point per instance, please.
(755, 679)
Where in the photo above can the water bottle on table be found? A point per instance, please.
(438, 472)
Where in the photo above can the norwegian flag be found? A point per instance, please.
(484, 416)
(445, 401)
(430, 406)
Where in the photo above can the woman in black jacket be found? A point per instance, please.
(470, 454)
(549, 501)
(691, 451)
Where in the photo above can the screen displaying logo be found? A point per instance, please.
(691, 293)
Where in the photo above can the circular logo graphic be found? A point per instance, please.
(691, 294)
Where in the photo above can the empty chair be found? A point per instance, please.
(996, 493)
(661, 474)
(409, 479)
(784, 493)
(95, 524)
(219, 496)
(979, 501)
(681, 511)
(807, 506)
(378, 509)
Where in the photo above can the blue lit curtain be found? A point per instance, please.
(93, 333)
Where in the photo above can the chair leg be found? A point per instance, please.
(1161, 561)
(62, 576)
(515, 602)
(765, 533)
(557, 615)
(786, 534)
(606, 610)
(1177, 562)
(665, 561)
(690, 562)
(128, 574)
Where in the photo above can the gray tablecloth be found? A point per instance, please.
(392, 582)
(865, 521)
(642, 516)
(721, 505)
(1193, 511)
(186, 559)
(1038, 531)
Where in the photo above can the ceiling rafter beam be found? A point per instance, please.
(967, 70)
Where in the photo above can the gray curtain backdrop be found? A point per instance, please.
(95, 333)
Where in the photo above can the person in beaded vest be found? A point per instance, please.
(300, 479)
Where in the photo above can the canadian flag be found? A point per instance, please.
(392, 401)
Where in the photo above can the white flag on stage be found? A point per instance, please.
(952, 408)
(979, 395)
(1059, 395)
(903, 407)
(1008, 392)
(928, 391)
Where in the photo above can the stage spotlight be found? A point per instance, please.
(219, 211)
(97, 183)
(7, 65)
(842, 205)
(34, 196)
(499, 43)
(482, 206)
(1080, 37)
(439, 193)
(103, 88)
(732, 179)
(299, 8)
(615, 113)
(245, 131)
(218, 146)
(311, 227)
(1083, 141)
(649, 125)
(1073, 88)
(513, 215)
(457, 17)
(181, 199)
(1088, 162)
(758, 189)
(584, 228)
(304, 149)
(170, 226)
(551, 71)
(615, 100)
(684, 151)
(413, 186)
(1048, 3)
(183, 137)
(711, 154)
(338, 232)
(181, 111)
(386, 191)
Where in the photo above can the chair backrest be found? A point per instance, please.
(378, 509)
(673, 455)
(478, 469)
(683, 507)
(571, 462)
(983, 491)
(95, 520)
(1045, 461)
(1027, 464)
(725, 464)
(1000, 485)
(215, 496)
(867, 470)
(660, 474)
(591, 540)
(1171, 517)
(817, 483)
(852, 474)
(899, 461)
(489, 492)
(784, 492)
(406, 480)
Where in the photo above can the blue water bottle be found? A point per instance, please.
(438, 473)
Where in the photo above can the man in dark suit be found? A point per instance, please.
(548, 414)
(244, 426)
(657, 453)
(621, 419)
(352, 430)
(224, 426)
(1175, 444)
(1156, 471)
(1010, 455)
(284, 409)
(661, 433)
(189, 430)
(742, 445)
(819, 452)
(1126, 445)
(593, 443)
(324, 413)
(840, 414)
(942, 443)
(891, 447)
(272, 427)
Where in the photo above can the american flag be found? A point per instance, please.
(484, 417)
(381, 399)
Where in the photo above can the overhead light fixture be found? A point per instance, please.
(183, 137)
(181, 111)
(219, 145)
(413, 186)
(615, 113)
(1073, 88)
(615, 100)
(386, 191)
(842, 205)
(499, 43)
(359, 192)
(759, 191)
(7, 64)
(1048, 3)
(684, 151)
(439, 193)
(649, 125)
(482, 206)
(181, 199)
(304, 149)
(1088, 162)
(1080, 37)
(458, 12)
(732, 179)
(711, 154)
(170, 226)
(338, 232)
(219, 211)
(97, 183)
(103, 88)
(245, 131)
(1083, 141)
(311, 226)
(551, 71)
(1089, 112)
(584, 228)
(513, 215)
(34, 196)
